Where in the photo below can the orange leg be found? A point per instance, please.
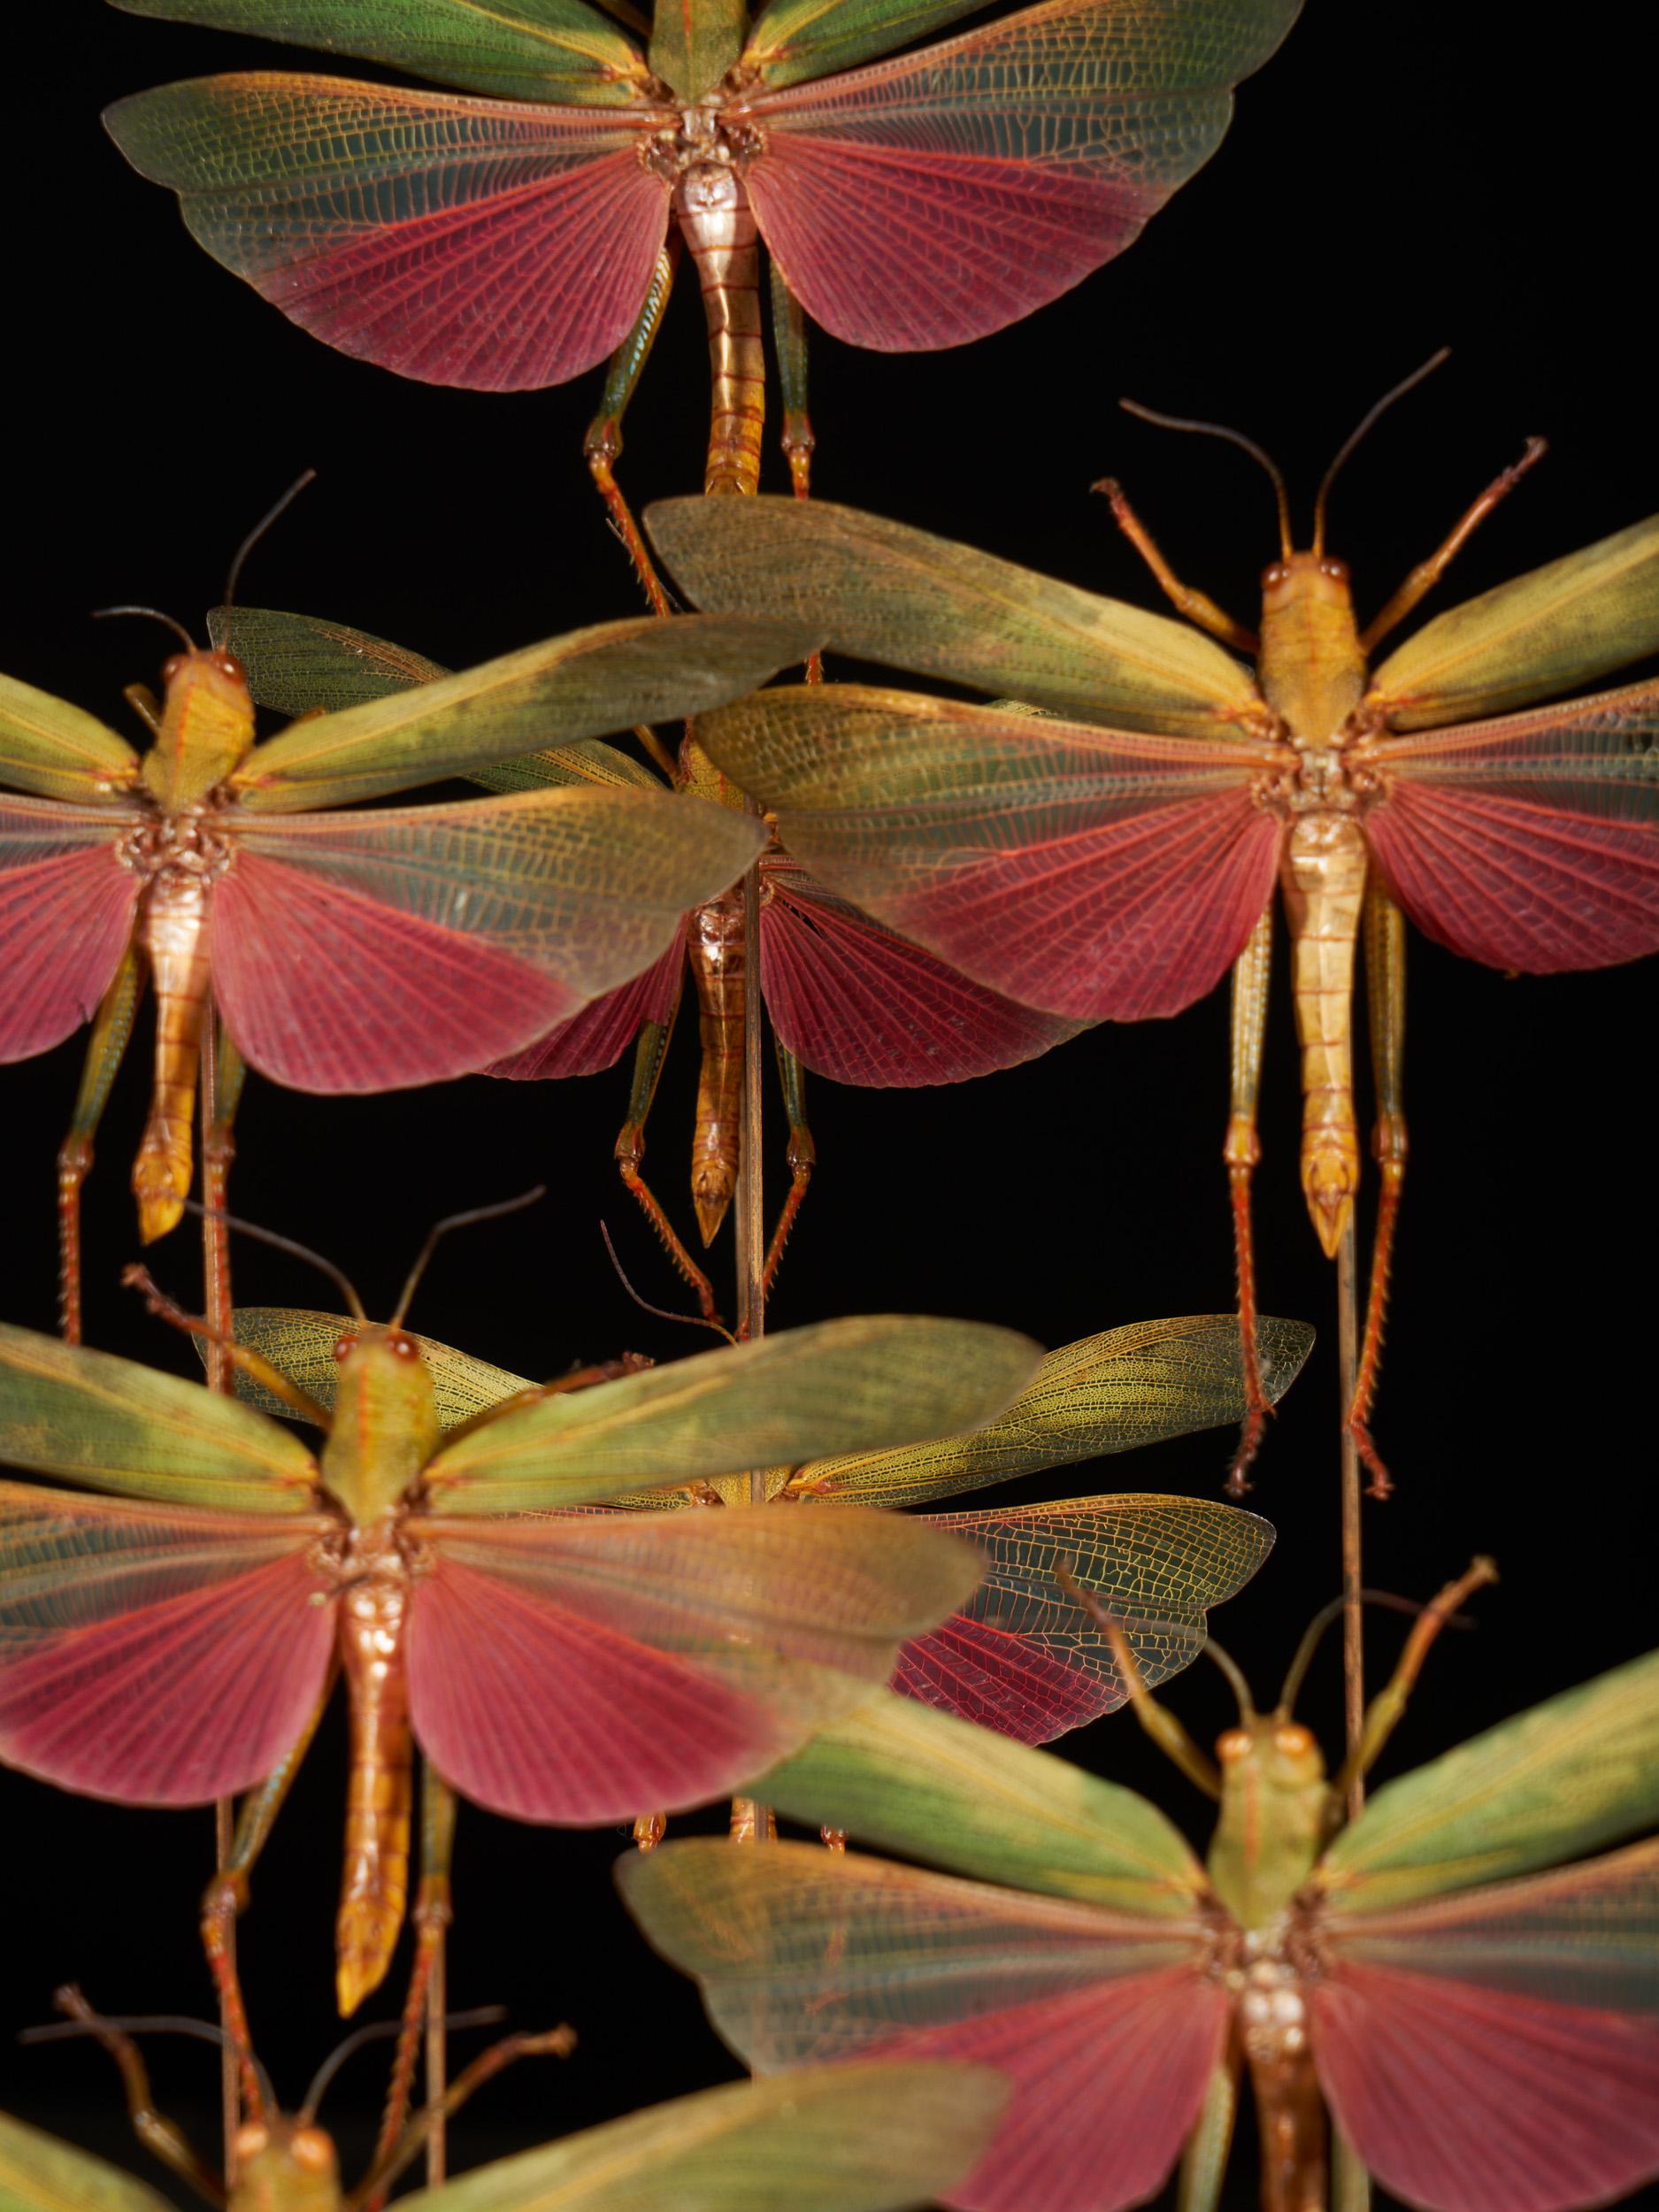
(603, 442)
(1426, 574)
(111, 1027)
(424, 2003)
(1384, 988)
(649, 1055)
(803, 1157)
(1241, 1152)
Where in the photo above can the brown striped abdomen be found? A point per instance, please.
(173, 935)
(719, 225)
(375, 1888)
(714, 944)
(1324, 876)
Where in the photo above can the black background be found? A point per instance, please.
(1400, 177)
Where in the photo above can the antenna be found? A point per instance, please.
(1323, 1619)
(150, 614)
(662, 1313)
(377, 2031)
(335, 1275)
(271, 515)
(440, 1229)
(108, 2027)
(1233, 437)
(1405, 385)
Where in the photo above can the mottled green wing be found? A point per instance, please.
(1578, 1771)
(861, 1380)
(941, 1790)
(694, 42)
(604, 678)
(297, 663)
(40, 2174)
(873, 2138)
(112, 1425)
(301, 1344)
(1109, 1393)
(516, 50)
(1561, 626)
(58, 751)
(887, 593)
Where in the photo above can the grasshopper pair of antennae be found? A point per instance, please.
(271, 514)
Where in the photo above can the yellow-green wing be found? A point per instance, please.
(1561, 626)
(1104, 1393)
(941, 1790)
(38, 2173)
(1580, 1771)
(887, 592)
(606, 677)
(513, 49)
(57, 750)
(296, 662)
(694, 42)
(301, 1344)
(112, 1425)
(863, 1380)
(871, 2138)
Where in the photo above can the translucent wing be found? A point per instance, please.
(1105, 2024)
(66, 908)
(92, 1419)
(295, 663)
(1110, 1393)
(153, 1656)
(899, 1773)
(587, 760)
(515, 49)
(40, 2174)
(497, 916)
(932, 199)
(461, 241)
(606, 677)
(300, 1345)
(856, 1002)
(1563, 625)
(1529, 842)
(56, 750)
(890, 594)
(1024, 1658)
(793, 39)
(1092, 874)
(573, 1668)
(1499, 2052)
(601, 1034)
(862, 2139)
(760, 1404)
(1579, 1770)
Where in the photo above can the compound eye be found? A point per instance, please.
(1335, 569)
(1276, 572)
(344, 1347)
(251, 2139)
(313, 2151)
(173, 665)
(227, 665)
(1236, 1744)
(1293, 1740)
(403, 1346)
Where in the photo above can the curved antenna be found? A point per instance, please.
(1406, 384)
(337, 1276)
(271, 515)
(377, 2031)
(440, 1229)
(1232, 437)
(662, 1313)
(150, 614)
(110, 2025)
(1322, 1620)
(1234, 1673)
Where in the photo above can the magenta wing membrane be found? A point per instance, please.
(466, 242)
(1499, 2051)
(66, 908)
(1531, 842)
(854, 1001)
(599, 1035)
(153, 1655)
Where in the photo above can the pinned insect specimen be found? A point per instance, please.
(1481, 2030)
(1020, 1655)
(848, 998)
(513, 241)
(862, 2139)
(173, 1643)
(1137, 827)
(354, 952)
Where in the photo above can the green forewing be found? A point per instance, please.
(516, 50)
(296, 662)
(582, 685)
(1109, 1393)
(1577, 1772)
(939, 1789)
(785, 1398)
(897, 596)
(114, 1426)
(40, 2174)
(56, 750)
(1561, 626)
(798, 39)
(694, 42)
(873, 2138)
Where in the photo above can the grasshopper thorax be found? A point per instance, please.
(206, 727)
(386, 1425)
(1274, 1798)
(1311, 666)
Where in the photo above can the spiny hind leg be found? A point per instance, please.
(1386, 998)
(425, 2001)
(602, 445)
(788, 334)
(649, 1052)
(224, 1071)
(802, 1158)
(1241, 1152)
(111, 1027)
